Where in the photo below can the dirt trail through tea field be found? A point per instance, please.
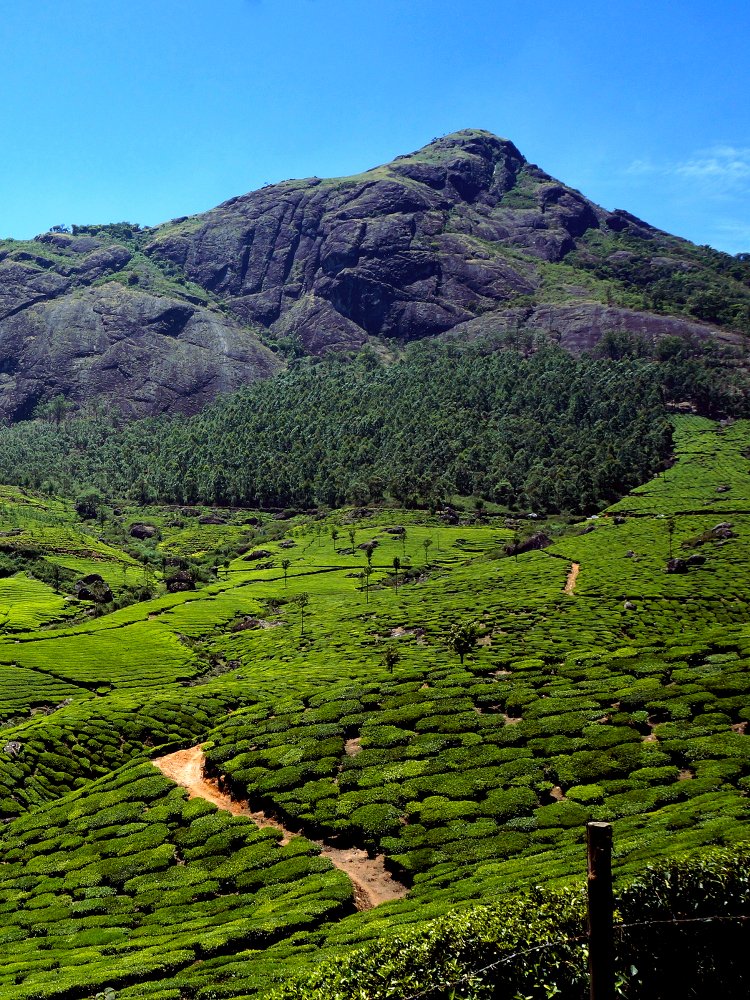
(372, 883)
(570, 583)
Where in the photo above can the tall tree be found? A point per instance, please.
(462, 638)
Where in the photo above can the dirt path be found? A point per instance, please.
(372, 883)
(570, 583)
(186, 768)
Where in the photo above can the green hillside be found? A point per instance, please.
(323, 682)
(544, 431)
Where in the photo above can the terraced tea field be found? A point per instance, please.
(315, 690)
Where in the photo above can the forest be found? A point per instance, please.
(538, 430)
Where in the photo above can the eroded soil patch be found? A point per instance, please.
(372, 883)
(570, 583)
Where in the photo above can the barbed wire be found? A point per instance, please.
(468, 976)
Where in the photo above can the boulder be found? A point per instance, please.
(93, 588)
(249, 623)
(143, 531)
(723, 530)
(357, 514)
(257, 554)
(536, 541)
(677, 566)
(211, 519)
(180, 581)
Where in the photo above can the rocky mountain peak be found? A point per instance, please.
(463, 237)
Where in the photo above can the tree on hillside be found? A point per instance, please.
(352, 535)
(391, 656)
(396, 568)
(334, 536)
(87, 504)
(425, 545)
(462, 638)
(302, 600)
(54, 410)
(670, 533)
(285, 564)
(368, 548)
(365, 578)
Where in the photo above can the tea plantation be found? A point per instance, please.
(318, 666)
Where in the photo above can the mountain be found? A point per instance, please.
(462, 238)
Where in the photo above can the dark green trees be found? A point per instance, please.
(463, 637)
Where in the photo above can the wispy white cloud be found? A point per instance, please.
(643, 167)
(726, 165)
(721, 169)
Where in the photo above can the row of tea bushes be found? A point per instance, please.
(448, 768)
(127, 880)
(51, 756)
(536, 945)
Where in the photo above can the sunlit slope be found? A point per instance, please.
(624, 700)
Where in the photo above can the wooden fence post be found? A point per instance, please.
(601, 911)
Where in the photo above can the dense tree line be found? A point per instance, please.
(545, 432)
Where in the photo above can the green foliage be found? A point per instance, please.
(534, 946)
(87, 503)
(472, 781)
(462, 637)
(548, 432)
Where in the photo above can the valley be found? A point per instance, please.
(334, 770)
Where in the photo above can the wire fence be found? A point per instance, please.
(475, 974)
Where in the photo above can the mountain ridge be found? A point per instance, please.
(461, 238)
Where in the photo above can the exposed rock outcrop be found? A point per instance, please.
(454, 240)
(93, 587)
(144, 353)
(449, 238)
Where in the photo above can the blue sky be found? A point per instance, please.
(147, 110)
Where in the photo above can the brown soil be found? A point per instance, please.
(353, 747)
(652, 737)
(686, 775)
(371, 882)
(570, 583)
(186, 768)
(557, 793)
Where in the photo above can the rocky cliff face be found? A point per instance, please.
(63, 331)
(462, 238)
(464, 235)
